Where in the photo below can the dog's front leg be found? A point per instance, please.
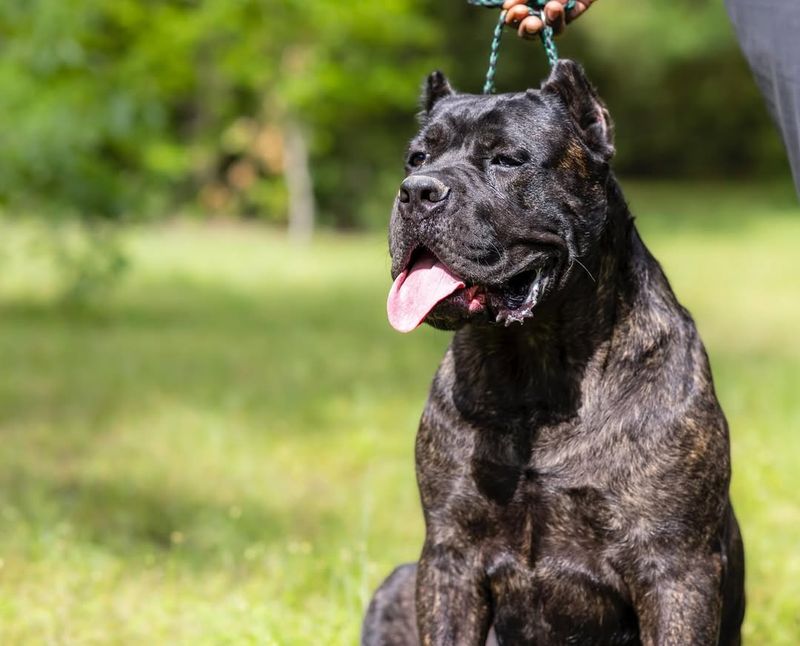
(682, 605)
(453, 606)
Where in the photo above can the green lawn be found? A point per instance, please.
(222, 452)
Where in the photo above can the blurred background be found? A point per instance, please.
(207, 424)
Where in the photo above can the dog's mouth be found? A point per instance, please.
(516, 301)
(426, 282)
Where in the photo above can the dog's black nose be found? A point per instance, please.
(422, 192)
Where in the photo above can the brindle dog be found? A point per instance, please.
(573, 461)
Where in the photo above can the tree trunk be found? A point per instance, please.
(298, 184)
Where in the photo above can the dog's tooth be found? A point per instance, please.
(533, 293)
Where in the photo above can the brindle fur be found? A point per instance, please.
(573, 469)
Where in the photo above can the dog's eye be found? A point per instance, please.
(506, 160)
(417, 159)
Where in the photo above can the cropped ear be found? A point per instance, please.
(436, 87)
(569, 84)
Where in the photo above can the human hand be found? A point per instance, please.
(556, 15)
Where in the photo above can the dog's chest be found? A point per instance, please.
(549, 517)
(550, 568)
(544, 518)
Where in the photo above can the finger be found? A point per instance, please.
(555, 14)
(529, 27)
(580, 7)
(517, 14)
(513, 3)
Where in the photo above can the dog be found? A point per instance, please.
(573, 461)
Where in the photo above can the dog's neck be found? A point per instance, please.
(540, 364)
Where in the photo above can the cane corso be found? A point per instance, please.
(572, 459)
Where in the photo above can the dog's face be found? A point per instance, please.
(503, 197)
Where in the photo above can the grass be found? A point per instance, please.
(221, 453)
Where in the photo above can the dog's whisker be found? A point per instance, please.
(584, 269)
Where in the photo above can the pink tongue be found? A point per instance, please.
(416, 291)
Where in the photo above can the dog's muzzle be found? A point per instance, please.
(421, 194)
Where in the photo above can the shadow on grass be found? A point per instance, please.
(205, 346)
(153, 367)
(126, 519)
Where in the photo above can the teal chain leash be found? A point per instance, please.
(546, 35)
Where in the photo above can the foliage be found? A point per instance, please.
(136, 106)
(223, 453)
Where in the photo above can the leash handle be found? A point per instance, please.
(546, 35)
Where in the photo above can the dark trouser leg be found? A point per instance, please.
(768, 34)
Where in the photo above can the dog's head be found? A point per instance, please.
(503, 197)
